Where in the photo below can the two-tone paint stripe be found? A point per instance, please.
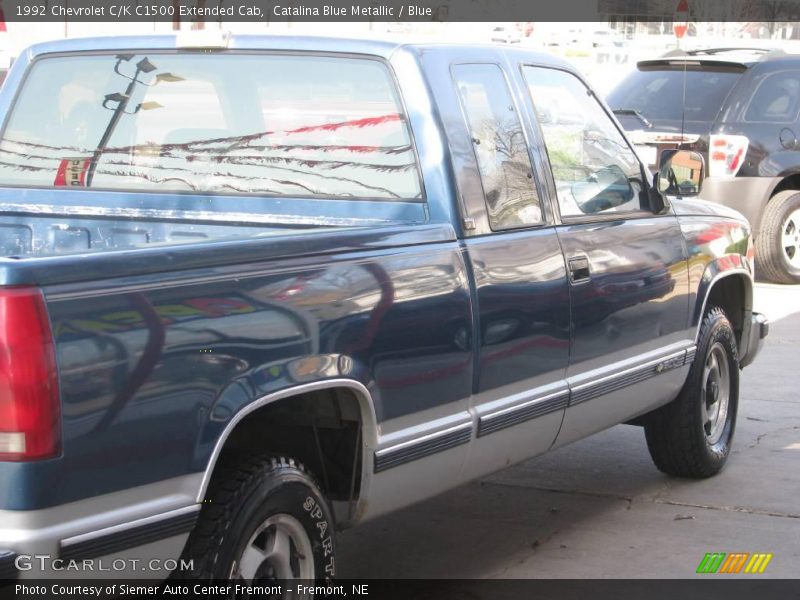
(401, 454)
(690, 354)
(431, 444)
(733, 563)
(612, 383)
(118, 538)
(532, 409)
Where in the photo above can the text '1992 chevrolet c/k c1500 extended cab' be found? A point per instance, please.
(260, 290)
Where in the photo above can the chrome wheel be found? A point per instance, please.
(790, 239)
(715, 397)
(278, 549)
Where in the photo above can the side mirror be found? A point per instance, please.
(659, 203)
(681, 173)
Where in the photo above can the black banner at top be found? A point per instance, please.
(221, 11)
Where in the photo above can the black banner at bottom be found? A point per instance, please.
(707, 588)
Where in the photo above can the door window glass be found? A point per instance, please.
(594, 168)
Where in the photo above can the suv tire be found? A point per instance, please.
(691, 436)
(265, 520)
(778, 243)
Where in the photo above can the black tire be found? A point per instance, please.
(774, 262)
(246, 498)
(679, 437)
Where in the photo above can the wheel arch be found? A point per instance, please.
(365, 445)
(731, 289)
(789, 181)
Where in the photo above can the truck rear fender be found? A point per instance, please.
(294, 421)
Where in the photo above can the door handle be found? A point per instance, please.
(579, 271)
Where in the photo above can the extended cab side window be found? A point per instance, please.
(595, 170)
(500, 146)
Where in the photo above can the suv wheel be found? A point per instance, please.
(778, 242)
(691, 436)
(264, 521)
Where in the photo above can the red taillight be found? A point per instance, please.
(736, 160)
(30, 416)
(726, 154)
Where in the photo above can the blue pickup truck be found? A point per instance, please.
(258, 289)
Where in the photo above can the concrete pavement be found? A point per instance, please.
(599, 508)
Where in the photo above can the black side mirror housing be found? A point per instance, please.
(681, 173)
(659, 203)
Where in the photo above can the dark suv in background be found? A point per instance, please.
(740, 108)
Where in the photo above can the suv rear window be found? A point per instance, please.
(658, 94)
(285, 125)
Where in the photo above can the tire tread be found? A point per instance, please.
(769, 259)
(227, 492)
(673, 440)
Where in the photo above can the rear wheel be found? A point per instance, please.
(692, 435)
(264, 521)
(778, 243)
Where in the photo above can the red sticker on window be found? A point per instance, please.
(72, 172)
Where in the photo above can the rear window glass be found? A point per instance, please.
(310, 126)
(658, 95)
(776, 99)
